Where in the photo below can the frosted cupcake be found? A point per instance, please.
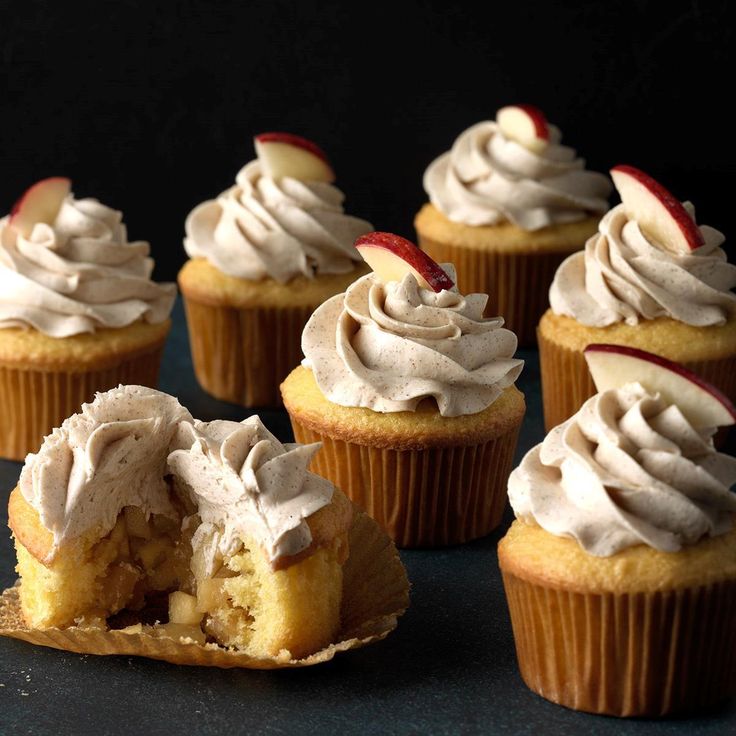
(79, 312)
(411, 391)
(620, 570)
(507, 205)
(264, 255)
(650, 278)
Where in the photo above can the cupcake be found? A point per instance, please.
(507, 205)
(411, 391)
(79, 312)
(264, 255)
(620, 569)
(650, 278)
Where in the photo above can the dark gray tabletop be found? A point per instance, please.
(449, 668)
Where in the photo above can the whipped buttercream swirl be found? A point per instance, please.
(624, 275)
(245, 483)
(388, 346)
(487, 179)
(278, 229)
(78, 274)
(627, 469)
(110, 455)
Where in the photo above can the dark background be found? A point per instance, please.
(151, 106)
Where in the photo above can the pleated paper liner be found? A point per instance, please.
(435, 496)
(33, 402)
(567, 384)
(637, 654)
(375, 594)
(517, 283)
(241, 355)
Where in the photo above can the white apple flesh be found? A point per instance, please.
(391, 257)
(285, 154)
(658, 213)
(39, 203)
(524, 124)
(612, 366)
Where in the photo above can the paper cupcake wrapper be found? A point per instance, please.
(517, 284)
(375, 594)
(242, 355)
(34, 401)
(567, 384)
(636, 654)
(431, 497)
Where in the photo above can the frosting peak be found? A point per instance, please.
(388, 346)
(627, 469)
(487, 178)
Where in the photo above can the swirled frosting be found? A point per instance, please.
(627, 469)
(278, 229)
(78, 274)
(486, 179)
(245, 483)
(387, 346)
(623, 275)
(110, 455)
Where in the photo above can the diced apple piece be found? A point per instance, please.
(153, 553)
(183, 609)
(524, 124)
(285, 154)
(39, 203)
(135, 521)
(209, 594)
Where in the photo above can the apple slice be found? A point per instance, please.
(658, 213)
(39, 203)
(702, 404)
(391, 257)
(284, 154)
(524, 124)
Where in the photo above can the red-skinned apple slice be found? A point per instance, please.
(285, 154)
(703, 405)
(39, 203)
(524, 124)
(391, 257)
(658, 213)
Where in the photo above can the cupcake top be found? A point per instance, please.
(514, 170)
(633, 466)
(67, 267)
(244, 482)
(648, 260)
(283, 218)
(390, 342)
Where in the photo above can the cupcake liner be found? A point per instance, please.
(35, 401)
(375, 594)
(567, 384)
(430, 497)
(628, 654)
(243, 354)
(517, 283)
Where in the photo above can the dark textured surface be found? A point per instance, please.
(449, 668)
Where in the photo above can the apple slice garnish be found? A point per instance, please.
(39, 203)
(703, 405)
(285, 154)
(524, 124)
(657, 212)
(391, 257)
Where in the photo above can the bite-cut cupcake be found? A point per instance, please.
(620, 570)
(411, 391)
(264, 255)
(507, 205)
(650, 278)
(79, 312)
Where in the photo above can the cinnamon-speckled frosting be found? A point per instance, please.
(110, 455)
(627, 469)
(387, 346)
(487, 179)
(278, 229)
(245, 483)
(78, 274)
(624, 275)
